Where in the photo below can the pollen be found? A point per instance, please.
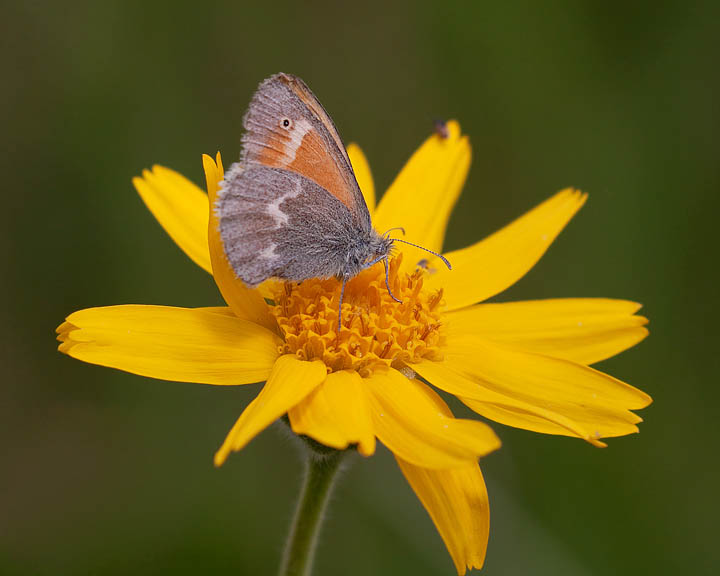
(376, 330)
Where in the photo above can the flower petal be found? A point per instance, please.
(245, 302)
(583, 330)
(456, 499)
(457, 502)
(362, 174)
(549, 378)
(178, 344)
(180, 207)
(290, 381)
(425, 191)
(537, 392)
(500, 407)
(497, 262)
(407, 420)
(336, 414)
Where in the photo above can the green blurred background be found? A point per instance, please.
(108, 473)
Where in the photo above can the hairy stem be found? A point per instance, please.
(320, 475)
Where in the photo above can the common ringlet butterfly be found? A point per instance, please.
(291, 208)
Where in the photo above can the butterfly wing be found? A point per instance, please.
(278, 223)
(287, 127)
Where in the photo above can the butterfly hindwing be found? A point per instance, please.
(277, 223)
(287, 127)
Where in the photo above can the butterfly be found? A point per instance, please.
(291, 208)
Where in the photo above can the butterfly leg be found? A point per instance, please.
(387, 280)
(373, 262)
(387, 232)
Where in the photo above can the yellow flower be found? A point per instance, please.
(524, 364)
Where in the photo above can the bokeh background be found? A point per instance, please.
(107, 473)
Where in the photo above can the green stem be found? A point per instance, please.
(321, 472)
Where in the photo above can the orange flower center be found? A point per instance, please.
(375, 328)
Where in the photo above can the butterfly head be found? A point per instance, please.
(379, 248)
(364, 252)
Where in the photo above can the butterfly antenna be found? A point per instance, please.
(342, 294)
(387, 280)
(385, 234)
(445, 260)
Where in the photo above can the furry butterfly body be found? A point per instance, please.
(291, 208)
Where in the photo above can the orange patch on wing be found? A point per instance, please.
(302, 92)
(273, 152)
(312, 162)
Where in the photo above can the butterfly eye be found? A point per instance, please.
(286, 123)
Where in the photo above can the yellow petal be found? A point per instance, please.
(457, 501)
(584, 330)
(500, 407)
(497, 262)
(407, 420)
(245, 302)
(290, 381)
(178, 344)
(336, 414)
(550, 378)
(537, 392)
(424, 193)
(362, 174)
(180, 207)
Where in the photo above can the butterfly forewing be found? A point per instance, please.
(287, 127)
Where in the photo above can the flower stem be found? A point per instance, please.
(322, 469)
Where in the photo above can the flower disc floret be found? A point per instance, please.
(376, 330)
